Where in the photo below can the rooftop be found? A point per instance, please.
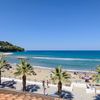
(14, 95)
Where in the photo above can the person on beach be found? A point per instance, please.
(43, 83)
(47, 84)
(44, 88)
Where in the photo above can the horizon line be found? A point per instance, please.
(60, 50)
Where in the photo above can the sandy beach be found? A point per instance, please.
(41, 74)
(44, 74)
(77, 91)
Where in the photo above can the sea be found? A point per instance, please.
(71, 60)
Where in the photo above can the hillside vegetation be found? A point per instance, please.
(8, 47)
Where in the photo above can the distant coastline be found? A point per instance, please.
(8, 47)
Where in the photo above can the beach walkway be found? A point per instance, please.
(78, 93)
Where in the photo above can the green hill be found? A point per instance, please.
(8, 47)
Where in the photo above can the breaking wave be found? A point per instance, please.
(68, 59)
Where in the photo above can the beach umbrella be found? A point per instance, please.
(87, 78)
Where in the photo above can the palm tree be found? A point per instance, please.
(24, 69)
(3, 64)
(98, 69)
(96, 77)
(60, 76)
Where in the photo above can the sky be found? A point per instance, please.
(51, 24)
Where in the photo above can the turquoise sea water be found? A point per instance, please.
(72, 60)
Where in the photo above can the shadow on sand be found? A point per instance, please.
(66, 95)
(32, 88)
(97, 97)
(9, 84)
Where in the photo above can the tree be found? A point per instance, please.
(3, 64)
(96, 77)
(60, 76)
(98, 69)
(24, 69)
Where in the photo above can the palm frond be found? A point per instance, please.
(58, 74)
(98, 69)
(24, 68)
(3, 63)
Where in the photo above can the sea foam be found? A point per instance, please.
(70, 59)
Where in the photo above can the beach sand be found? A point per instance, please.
(42, 74)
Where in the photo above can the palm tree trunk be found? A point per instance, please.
(59, 87)
(0, 76)
(24, 82)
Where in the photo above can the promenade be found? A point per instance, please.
(71, 93)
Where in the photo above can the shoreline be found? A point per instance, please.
(6, 53)
(43, 73)
(68, 70)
